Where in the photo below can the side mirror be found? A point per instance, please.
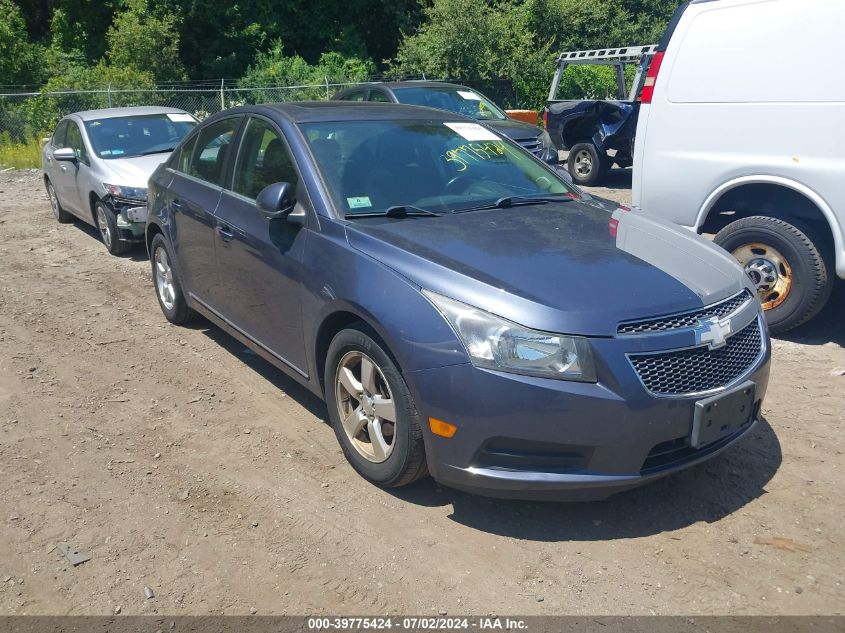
(65, 153)
(275, 201)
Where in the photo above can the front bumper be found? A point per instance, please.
(131, 218)
(534, 438)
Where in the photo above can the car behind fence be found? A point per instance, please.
(28, 114)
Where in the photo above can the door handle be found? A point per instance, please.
(176, 204)
(225, 232)
(63, 168)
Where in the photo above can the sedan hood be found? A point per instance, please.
(514, 129)
(560, 267)
(135, 171)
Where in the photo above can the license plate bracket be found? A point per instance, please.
(722, 415)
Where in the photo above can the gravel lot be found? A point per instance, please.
(181, 462)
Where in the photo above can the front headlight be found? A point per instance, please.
(127, 193)
(494, 343)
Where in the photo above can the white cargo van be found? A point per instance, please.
(741, 133)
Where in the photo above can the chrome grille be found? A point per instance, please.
(685, 319)
(533, 145)
(700, 369)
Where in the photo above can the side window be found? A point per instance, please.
(208, 160)
(263, 159)
(378, 95)
(355, 96)
(59, 134)
(182, 162)
(74, 141)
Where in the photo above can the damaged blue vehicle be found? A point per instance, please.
(597, 133)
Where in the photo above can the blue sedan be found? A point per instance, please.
(463, 310)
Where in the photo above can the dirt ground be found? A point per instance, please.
(181, 462)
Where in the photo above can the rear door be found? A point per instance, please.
(259, 261)
(193, 197)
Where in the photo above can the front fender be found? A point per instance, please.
(341, 279)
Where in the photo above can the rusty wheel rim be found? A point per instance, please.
(769, 271)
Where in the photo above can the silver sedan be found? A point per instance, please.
(97, 163)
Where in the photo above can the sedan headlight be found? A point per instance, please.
(127, 193)
(494, 343)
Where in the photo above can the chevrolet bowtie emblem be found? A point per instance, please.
(713, 332)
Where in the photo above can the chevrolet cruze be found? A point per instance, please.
(463, 311)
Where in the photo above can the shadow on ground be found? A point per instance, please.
(274, 376)
(828, 326)
(138, 253)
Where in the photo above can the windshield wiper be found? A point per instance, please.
(157, 151)
(513, 201)
(397, 211)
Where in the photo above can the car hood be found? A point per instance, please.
(514, 129)
(560, 267)
(134, 171)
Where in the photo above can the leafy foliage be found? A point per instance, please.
(274, 68)
(145, 41)
(19, 59)
(504, 47)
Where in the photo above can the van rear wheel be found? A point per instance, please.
(793, 277)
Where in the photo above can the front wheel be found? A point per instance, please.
(372, 411)
(587, 164)
(107, 224)
(793, 278)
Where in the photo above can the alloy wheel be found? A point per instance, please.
(164, 279)
(54, 201)
(366, 407)
(103, 223)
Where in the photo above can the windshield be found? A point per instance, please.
(441, 166)
(124, 137)
(458, 99)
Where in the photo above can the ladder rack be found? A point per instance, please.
(610, 56)
(618, 57)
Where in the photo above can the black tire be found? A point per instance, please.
(599, 164)
(177, 310)
(406, 463)
(61, 215)
(107, 224)
(811, 269)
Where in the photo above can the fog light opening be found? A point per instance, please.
(441, 428)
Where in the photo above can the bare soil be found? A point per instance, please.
(181, 462)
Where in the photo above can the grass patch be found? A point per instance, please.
(19, 155)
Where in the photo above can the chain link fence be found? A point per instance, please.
(26, 115)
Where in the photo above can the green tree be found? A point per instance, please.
(275, 68)
(19, 58)
(147, 41)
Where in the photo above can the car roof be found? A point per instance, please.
(316, 111)
(110, 113)
(393, 85)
